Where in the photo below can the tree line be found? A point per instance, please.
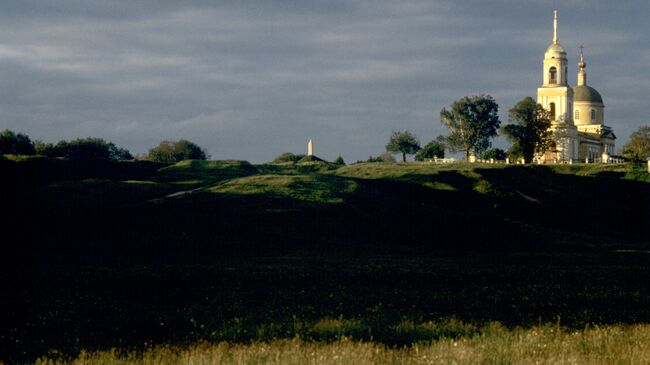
(473, 122)
(92, 148)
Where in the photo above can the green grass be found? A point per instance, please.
(304, 166)
(205, 172)
(492, 344)
(310, 188)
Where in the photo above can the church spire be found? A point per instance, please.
(555, 26)
(582, 74)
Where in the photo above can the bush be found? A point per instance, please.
(174, 151)
(12, 143)
(514, 152)
(287, 157)
(494, 153)
(384, 157)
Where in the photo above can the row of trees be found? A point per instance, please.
(93, 148)
(473, 121)
(90, 148)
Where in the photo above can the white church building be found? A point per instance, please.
(577, 113)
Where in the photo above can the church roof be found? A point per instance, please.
(607, 133)
(586, 94)
(593, 138)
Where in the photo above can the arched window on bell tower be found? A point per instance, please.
(552, 75)
(593, 115)
(552, 110)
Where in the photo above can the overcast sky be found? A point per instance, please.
(252, 79)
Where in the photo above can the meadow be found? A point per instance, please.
(495, 345)
(225, 258)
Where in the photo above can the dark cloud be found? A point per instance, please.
(252, 79)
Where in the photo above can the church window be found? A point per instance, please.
(593, 115)
(552, 75)
(577, 114)
(552, 107)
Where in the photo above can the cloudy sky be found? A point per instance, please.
(250, 79)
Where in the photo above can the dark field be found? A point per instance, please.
(95, 257)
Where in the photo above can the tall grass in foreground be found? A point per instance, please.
(494, 344)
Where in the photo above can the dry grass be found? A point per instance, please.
(494, 345)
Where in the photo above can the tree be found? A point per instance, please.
(638, 147)
(431, 150)
(494, 153)
(174, 151)
(339, 161)
(472, 122)
(164, 152)
(404, 142)
(529, 128)
(15, 143)
(118, 154)
(186, 150)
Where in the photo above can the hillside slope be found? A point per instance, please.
(416, 206)
(106, 255)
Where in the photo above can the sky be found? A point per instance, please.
(250, 79)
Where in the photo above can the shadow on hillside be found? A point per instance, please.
(503, 210)
(604, 206)
(480, 245)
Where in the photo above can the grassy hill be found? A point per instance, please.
(101, 255)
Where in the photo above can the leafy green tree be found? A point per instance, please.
(529, 128)
(638, 147)
(174, 151)
(339, 161)
(494, 153)
(15, 143)
(186, 150)
(404, 143)
(431, 150)
(472, 122)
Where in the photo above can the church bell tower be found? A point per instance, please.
(556, 96)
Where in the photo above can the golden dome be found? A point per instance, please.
(555, 50)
